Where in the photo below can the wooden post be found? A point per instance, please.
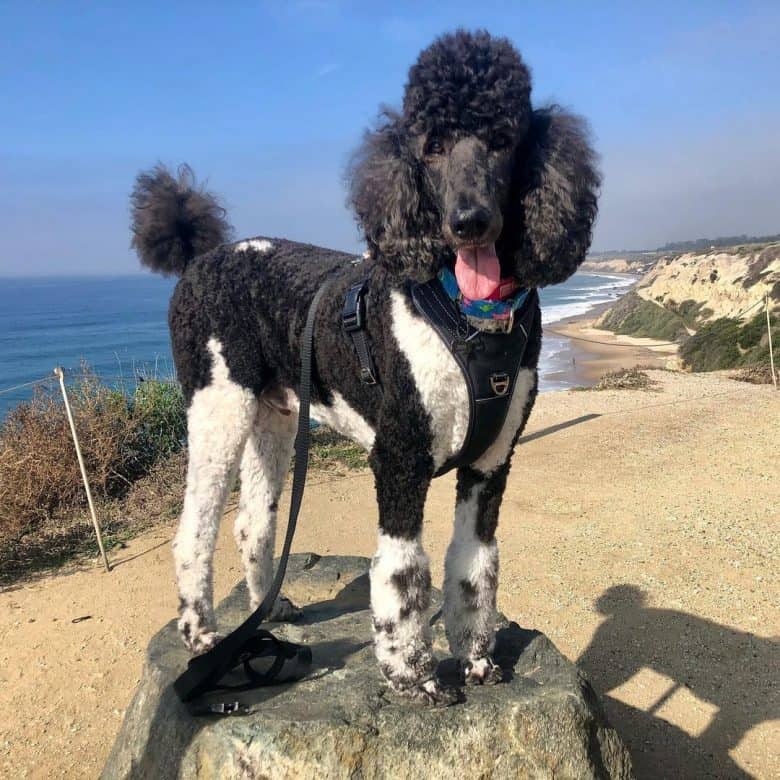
(771, 353)
(58, 372)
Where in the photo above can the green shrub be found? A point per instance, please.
(713, 347)
(751, 334)
(634, 316)
(161, 420)
(690, 311)
(727, 343)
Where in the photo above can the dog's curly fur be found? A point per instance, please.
(466, 162)
(174, 220)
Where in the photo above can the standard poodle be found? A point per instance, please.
(467, 187)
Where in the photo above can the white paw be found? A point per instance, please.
(197, 640)
(482, 671)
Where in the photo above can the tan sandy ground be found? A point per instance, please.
(663, 509)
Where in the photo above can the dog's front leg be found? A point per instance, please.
(400, 573)
(471, 574)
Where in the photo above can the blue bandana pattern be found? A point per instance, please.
(486, 310)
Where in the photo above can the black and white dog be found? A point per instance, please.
(467, 177)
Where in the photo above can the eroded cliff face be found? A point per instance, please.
(723, 283)
(711, 303)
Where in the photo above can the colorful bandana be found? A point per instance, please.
(484, 309)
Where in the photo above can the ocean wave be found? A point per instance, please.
(569, 300)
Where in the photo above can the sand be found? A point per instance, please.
(639, 531)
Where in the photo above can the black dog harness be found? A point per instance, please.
(489, 361)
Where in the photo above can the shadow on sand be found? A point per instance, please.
(736, 675)
(550, 429)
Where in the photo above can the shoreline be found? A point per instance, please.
(590, 352)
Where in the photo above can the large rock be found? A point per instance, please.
(342, 722)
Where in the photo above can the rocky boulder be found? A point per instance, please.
(342, 722)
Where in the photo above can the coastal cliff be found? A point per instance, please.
(710, 285)
(711, 303)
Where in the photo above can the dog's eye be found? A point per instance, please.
(434, 146)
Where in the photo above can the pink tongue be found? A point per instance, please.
(478, 271)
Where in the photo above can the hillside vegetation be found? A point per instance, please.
(730, 343)
(132, 438)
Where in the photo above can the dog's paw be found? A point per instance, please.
(482, 671)
(284, 611)
(197, 642)
(197, 628)
(431, 693)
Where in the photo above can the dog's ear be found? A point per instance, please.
(387, 190)
(554, 190)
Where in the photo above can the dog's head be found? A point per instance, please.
(469, 176)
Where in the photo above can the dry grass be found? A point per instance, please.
(132, 449)
(626, 379)
(39, 473)
(152, 500)
(123, 436)
(755, 375)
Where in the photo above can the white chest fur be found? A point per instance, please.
(438, 378)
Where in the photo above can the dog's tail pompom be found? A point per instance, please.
(174, 220)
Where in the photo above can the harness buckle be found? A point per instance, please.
(367, 376)
(353, 320)
(354, 312)
(217, 708)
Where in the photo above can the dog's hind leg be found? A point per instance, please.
(219, 420)
(471, 575)
(264, 465)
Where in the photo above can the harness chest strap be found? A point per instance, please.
(489, 361)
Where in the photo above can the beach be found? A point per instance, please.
(579, 354)
(638, 531)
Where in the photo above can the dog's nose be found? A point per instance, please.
(470, 223)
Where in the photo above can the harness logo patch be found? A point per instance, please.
(500, 383)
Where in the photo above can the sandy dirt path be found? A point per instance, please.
(643, 541)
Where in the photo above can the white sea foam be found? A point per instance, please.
(573, 298)
(577, 300)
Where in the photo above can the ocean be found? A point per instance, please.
(118, 325)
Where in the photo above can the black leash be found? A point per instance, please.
(205, 673)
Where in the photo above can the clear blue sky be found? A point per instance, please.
(266, 100)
